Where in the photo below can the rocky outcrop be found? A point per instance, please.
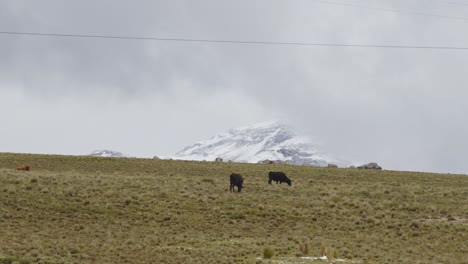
(274, 162)
(219, 160)
(370, 166)
(332, 166)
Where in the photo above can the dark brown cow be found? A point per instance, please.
(25, 168)
(236, 180)
(278, 176)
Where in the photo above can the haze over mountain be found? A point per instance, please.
(256, 143)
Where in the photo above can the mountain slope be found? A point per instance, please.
(107, 153)
(265, 141)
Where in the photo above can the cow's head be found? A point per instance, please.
(240, 186)
(289, 182)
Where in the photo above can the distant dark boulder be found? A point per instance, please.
(332, 165)
(219, 160)
(370, 166)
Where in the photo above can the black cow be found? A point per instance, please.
(236, 180)
(278, 177)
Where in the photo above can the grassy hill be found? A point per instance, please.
(71, 209)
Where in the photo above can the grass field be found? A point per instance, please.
(71, 209)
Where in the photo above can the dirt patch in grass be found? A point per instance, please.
(449, 219)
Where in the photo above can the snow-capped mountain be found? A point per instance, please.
(256, 143)
(107, 153)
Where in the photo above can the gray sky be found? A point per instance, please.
(403, 108)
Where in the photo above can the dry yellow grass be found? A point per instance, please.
(118, 210)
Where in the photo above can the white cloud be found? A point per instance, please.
(401, 108)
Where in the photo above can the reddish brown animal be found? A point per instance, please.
(25, 168)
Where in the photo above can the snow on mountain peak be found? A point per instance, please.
(107, 153)
(255, 143)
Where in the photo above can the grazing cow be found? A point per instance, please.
(278, 177)
(25, 168)
(236, 180)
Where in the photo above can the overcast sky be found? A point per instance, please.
(403, 108)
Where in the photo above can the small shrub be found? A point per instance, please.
(304, 247)
(414, 225)
(366, 194)
(322, 251)
(268, 253)
(331, 253)
(237, 216)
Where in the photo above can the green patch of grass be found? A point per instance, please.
(7, 260)
(12, 260)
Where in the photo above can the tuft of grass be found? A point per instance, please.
(322, 251)
(208, 180)
(12, 260)
(332, 253)
(305, 247)
(74, 251)
(238, 216)
(268, 253)
(7, 260)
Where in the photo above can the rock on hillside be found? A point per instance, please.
(370, 166)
